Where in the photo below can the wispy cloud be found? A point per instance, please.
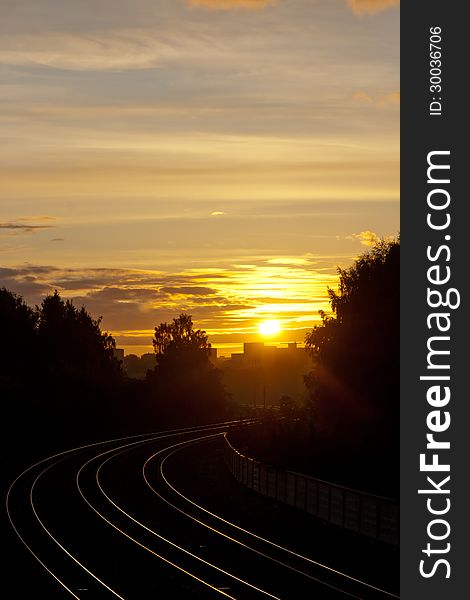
(230, 4)
(27, 224)
(367, 238)
(371, 7)
(30, 281)
(189, 291)
(390, 99)
(37, 219)
(96, 51)
(286, 260)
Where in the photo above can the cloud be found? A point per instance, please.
(135, 295)
(371, 7)
(286, 260)
(280, 300)
(382, 100)
(27, 282)
(37, 218)
(18, 227)
(367, 238)
(133, 301)
(189, 290)
(28, 270)
(217, 213)
(113, 51)
(230, 4)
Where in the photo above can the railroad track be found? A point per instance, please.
(106, 521)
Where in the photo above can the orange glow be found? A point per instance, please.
(147, 175)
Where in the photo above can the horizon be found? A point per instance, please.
(223, 350)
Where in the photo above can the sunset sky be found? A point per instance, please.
(220, 157)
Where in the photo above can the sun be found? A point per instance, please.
(269, 327)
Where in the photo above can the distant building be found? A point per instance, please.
(237, 358)
(254, 351)
(263, 374)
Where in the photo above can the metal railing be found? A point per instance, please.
(374, 516)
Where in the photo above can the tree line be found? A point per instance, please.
(356, 351)
(61, 382)
(354, 388)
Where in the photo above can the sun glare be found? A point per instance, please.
(269, 327)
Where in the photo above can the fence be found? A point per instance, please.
(373, 516)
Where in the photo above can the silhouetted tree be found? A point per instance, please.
(72, 343)
(354, 387)
(18, 330)
(179, 335)
(59, 379)
(79, 376)
(185, 383)
(18, 371)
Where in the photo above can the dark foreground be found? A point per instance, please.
(111, 521)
